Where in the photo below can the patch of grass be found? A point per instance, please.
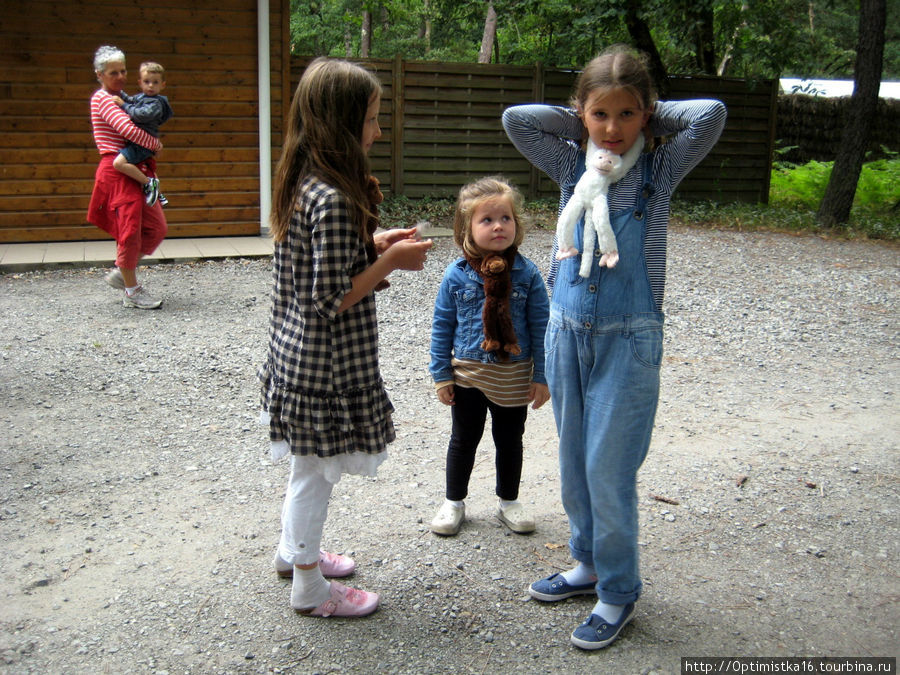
(779, 218)
(541, 213)
(794, 197)
(878, 189)
(876, 205)
(404, 212)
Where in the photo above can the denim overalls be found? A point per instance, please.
(603, 354)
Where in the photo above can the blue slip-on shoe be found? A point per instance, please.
(597, 633)
(555, 587)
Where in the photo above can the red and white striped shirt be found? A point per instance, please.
(113, 127)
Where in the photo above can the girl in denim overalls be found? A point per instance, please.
(604, 339)
(474, 374)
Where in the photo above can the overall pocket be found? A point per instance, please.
(647, 347)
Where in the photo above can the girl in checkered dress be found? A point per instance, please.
(322, 392)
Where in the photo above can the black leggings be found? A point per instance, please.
(507, 427)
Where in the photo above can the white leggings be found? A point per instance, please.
(303, 515)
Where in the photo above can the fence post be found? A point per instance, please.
(537, 96)
(773, 125)
(397, 82)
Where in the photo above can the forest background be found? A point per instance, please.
(727, 38)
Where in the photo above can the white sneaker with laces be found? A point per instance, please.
(141, 299)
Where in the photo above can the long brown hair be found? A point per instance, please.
(323, 138)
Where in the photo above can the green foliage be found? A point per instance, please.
(759, 39)
(555, 32)
(400, 211)
(794, 197)
(877, 192)
(802, 185)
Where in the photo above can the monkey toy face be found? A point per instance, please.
(604, 162)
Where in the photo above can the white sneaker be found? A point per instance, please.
(516, 518)
(114, 279)
(448, 520)
(141, 300)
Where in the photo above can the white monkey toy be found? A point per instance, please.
(602, 168)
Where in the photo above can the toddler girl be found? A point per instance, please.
(487, 347)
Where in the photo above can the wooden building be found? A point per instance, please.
(227, 76)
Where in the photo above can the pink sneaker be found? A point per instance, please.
(344, 601)
(331, 565)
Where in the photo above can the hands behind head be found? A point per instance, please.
(403, 247)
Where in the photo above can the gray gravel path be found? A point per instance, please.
(139, 510)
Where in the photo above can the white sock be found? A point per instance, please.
(506, 503)
(609, 613)
(309, 588)
(580, 574)
(458, 504)
(131, 290)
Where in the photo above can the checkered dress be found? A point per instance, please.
(321, 384)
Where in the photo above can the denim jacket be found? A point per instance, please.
(457, 329)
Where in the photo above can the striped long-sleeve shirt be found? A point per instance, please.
(113, 127)
(550, 138)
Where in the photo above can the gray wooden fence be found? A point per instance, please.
(441, 125)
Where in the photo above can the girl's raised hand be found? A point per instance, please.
(387, 238)
(407, 254)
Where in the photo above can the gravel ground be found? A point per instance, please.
(139, 510)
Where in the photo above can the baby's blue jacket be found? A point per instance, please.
(457, 329)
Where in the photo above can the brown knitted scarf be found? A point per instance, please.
(499, 335)
(373, 192)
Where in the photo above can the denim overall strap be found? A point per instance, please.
(620, 291)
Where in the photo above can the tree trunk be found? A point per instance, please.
(490, 31)
(729, 48)
(365, 39)
(705, 40)
(425, 27)
(643, 40)
(348, 42)
(835, 207)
